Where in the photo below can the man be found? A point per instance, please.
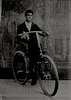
(33, 49)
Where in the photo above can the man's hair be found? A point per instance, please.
(28, 11)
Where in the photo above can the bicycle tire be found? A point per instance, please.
(20, 67)
(50, 68)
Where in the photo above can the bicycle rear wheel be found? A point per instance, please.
(48, 76)
(20, 67)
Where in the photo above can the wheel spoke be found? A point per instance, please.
(48, 78)
(19, 68)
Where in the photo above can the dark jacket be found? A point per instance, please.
(33, 47)
(22, 27)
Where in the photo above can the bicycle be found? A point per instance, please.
(46, 69)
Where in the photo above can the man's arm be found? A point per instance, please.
(41, 32)
(19, 30)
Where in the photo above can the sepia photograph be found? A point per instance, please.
(35, 49)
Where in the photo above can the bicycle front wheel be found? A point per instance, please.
(20, 67)
(48, 76)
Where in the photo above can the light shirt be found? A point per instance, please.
(28, 25)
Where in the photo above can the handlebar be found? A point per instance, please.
(41, 33)
(18, 38)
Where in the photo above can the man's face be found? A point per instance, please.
(29, 17)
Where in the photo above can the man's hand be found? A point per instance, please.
(24, 35)
(43, 33)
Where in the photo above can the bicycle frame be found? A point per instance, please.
(37, 36)
(45, 74)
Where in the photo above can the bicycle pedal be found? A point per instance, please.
(47, 76)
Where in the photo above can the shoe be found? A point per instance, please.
(34, 79)
(33, 82)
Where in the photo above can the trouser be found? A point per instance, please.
(33, 51)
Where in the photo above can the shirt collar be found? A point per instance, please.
(28, 23)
